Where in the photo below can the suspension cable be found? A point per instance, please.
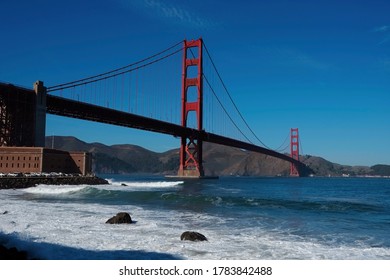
(81, 81)
(220, 102)
(87, 81)
(300, 146)
(283, 144)
(223, 107)
(231, 99)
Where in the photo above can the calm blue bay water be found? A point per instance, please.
(243, 218)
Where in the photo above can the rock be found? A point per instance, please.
(120, 218)
(193, 236)
(123, 185)
(12, 254)
(27, 182)
(5, 212)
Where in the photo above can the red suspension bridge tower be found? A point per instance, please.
(294, 145)
(191, 148)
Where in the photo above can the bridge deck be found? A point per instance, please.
(74, 109)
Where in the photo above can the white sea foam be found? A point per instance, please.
(131, 185)
(56, 230)
(114, 185)
(54, 189)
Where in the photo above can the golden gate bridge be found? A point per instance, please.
(177, 91)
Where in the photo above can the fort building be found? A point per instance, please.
(43, 160)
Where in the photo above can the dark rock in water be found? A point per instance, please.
(12, 254)
(5, 212)
(193, 236)
(123, 185)
(120, 218)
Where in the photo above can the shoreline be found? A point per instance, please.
(21, 182)
(57, 226)
(27, 182)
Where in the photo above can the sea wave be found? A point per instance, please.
(54, 189)
(96, 189)
(268, 203)
(255, 222)
(149, 184)
(174, 192)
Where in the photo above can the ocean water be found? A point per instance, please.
(243, 218)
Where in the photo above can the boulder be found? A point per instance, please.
(193, 236)
(12, 254)
(120, 218)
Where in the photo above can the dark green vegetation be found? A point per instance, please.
(218, 160)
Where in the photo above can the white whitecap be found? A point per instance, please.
(54, 189)
(126, 185)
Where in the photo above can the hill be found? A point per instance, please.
(118, 159)
(218, 160)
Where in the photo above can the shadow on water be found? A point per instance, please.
(49, 251)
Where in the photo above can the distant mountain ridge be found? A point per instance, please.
(218, 160)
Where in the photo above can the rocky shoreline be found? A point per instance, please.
(13, 253)
(27, 182)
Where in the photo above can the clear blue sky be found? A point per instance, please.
(321, 66)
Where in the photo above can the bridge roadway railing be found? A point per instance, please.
(75, 109)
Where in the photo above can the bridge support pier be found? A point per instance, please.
(22, 115)
(191, 165)
(40, 114)
(294, 145)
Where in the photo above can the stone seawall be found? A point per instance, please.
(27, 182)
